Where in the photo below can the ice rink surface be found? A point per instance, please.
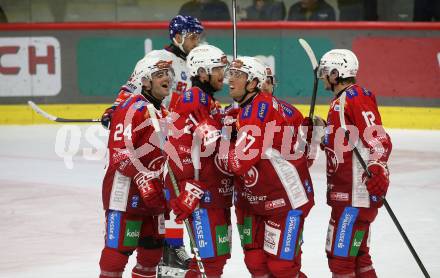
(52, 222)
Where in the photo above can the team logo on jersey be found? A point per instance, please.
(156, 164)
(222, 165)
(183, 75)
(247, 112)
(332, 161)
(250, 178)
(203, 98)
(262, 110)
(188, 97)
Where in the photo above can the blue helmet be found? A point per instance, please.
(182, 24)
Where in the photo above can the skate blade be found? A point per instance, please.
(170, 272)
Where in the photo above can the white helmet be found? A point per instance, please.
(207, 57)
(269, 74)
(253, 67)
(342, 60)
(152, 62)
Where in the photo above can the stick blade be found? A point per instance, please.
(41, 112)
(309, 52)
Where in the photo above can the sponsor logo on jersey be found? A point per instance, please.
(308, 187)
(222, 239)
(247, 112)
(187, 161)
(287, 110)
(167, 194)
(329, 238)
(226, 191)
(351, 93)
(134, 201)
(271, 239)
(262, 110)
(207, 198)
(250, 178)
(202, 233)
(203, 98)
(343, 234)
(245, 231)
(328, 131)
(339, 196)
(273, 224)
(356, 244)
(132, 232)
(337, 108)
(183, 75)
(366, 92)
(188, 97)
(374, 198)
(113, 228)
(183, 149)
(278, 203)
(253, 199)
(291, 230)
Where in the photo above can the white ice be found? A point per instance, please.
(52, 224)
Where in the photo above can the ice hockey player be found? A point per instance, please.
(132, 190)
(274, 192)
(300, 135)
(353, 196)
(204, 202)
(184, 33)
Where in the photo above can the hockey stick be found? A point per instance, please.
(385, 202)
(192, 240)
(234, 29)
(53, 118)
(314, 62)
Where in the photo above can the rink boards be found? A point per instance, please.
(392, 116)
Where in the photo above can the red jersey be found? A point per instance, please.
(270, 178)
(355, 108)
(132, 148)
(219, 183)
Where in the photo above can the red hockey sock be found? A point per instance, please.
(112, 263)
(256, 262)
(147, 261)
